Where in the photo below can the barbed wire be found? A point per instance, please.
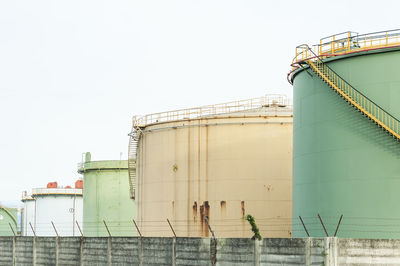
(268, 226)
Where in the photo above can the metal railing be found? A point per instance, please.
(212, 110)
(51, 191)
(364, 104)
(348, 42)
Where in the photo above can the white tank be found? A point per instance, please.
(28, 214)
(60, 206)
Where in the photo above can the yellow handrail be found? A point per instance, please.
(355, 98)
(347, 42)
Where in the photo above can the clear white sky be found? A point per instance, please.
(73, 73)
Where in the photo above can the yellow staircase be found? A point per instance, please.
(355, 98)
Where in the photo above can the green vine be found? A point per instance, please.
(254, 227)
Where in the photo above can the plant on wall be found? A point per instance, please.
(254, 227)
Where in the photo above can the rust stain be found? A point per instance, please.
(223, 209)
(243, 209)
(204, 212)
(194, 211)
(173, 210)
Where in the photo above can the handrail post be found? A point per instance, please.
(348, 41)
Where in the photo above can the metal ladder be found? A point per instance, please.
(354, 97)
(132, 151)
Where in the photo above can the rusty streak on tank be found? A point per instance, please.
(194, 211)
(223, 209)
(243, 209)
(204, 212)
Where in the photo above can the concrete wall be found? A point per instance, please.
(196, 251)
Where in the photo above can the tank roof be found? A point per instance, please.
(12, 212)
(37, 192)
(270, 103)
(344, 44)
(102, 165)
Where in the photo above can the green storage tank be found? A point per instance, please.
(106, 198)
(8, 217)
(343, 163)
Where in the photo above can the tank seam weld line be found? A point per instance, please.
(216, 124)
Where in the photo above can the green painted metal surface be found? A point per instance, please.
(106, 198)
(8, 216)
(342, 162)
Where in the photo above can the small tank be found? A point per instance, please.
(106, 198)
(52, 211)
(8, 221)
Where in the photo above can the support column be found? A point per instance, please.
(34, 251)
(81, 250)
(109, 251)
(308, 251)
(14, 253)
(140, 251)
(57, 249)
(174, 251)
(330, 251)
(257, 252)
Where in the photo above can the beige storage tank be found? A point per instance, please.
(219, 161)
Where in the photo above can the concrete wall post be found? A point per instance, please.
(174, 251)
(213, 251)
(57, 249)
(14, 253)
(308, 251)
(327, 251)
(333, 252)
(109, 251)
(140, 251)
(330, 251)
(257, 252)
(34, 251)
(81, 251)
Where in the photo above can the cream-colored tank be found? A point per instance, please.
(220, 161)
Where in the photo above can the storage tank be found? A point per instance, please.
(28, 214)
(107, 198)
(220, 161)
(346, 153)
(8, 220)
(60, 206)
